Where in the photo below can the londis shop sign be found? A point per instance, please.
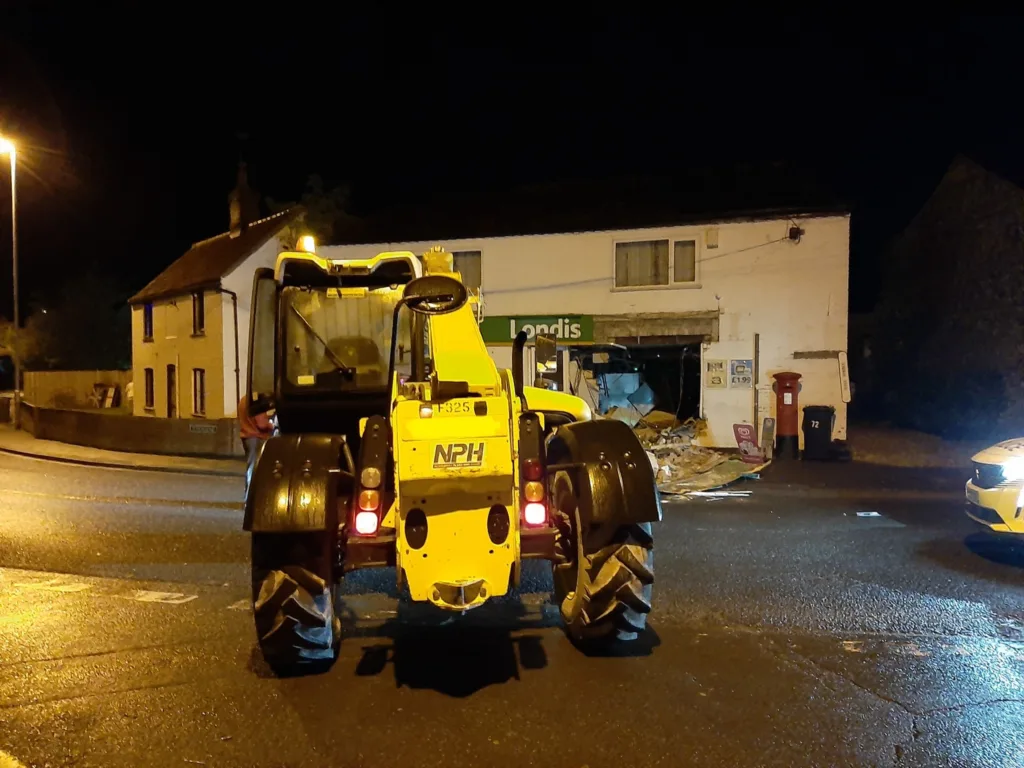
(572, 329)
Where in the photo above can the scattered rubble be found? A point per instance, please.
(683, 468)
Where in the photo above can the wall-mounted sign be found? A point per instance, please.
(741, 374)
(715, 374)
(844, 378)
(502, 329)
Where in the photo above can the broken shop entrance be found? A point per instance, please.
(649, 383)
(654, 385)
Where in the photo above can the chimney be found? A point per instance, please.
(243, 203)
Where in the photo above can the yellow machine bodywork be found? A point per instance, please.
(454, 445)
(437, 463)
(455, 459)
(550, 401)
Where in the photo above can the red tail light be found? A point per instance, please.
(532, 470)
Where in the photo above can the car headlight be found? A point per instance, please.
(1013, 469)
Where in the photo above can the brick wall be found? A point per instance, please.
(135, 434)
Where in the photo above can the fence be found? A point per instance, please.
(71, 389)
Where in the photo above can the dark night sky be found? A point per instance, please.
(129, 117)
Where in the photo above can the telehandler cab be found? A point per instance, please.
(399, 443)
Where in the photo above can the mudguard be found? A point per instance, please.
(305, 471)
(611, 473)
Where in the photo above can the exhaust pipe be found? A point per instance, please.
(518, 348)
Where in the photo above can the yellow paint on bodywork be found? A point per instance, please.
(459, 352)
(455, 468)
(538, 399)
(458, 550)
(423, 448)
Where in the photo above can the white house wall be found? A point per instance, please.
(794, 294)
(240, 282)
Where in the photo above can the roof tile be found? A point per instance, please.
(207, 261)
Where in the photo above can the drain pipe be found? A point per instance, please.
(234, 307)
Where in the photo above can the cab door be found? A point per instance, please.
(261, 365)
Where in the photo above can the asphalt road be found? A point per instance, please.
(788, 630)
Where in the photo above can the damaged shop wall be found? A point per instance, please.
(796, 297)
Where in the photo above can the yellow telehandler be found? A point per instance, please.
(399, 443)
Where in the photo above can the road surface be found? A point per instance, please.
(788, 631)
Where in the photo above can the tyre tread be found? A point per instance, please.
(292, 606)
(619, 577)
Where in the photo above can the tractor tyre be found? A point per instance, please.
(604, 586)
(293, 600)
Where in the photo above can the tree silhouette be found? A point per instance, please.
(323, 211)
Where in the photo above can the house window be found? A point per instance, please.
(198, 314)
(150, 390)
(467, 263)
(640, 263)
(199, 391)
(646, 263)
(684, 261)
(147, 322)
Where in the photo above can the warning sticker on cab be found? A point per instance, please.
(458, 455)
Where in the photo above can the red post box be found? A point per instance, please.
(787, 388)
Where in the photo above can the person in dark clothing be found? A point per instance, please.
(254, 430)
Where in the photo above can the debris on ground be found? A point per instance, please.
(681, 467)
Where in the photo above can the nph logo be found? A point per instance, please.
(458, 455)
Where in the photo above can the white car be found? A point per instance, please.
(995, 492)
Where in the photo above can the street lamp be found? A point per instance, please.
(7, 148)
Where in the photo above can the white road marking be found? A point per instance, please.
(8, 761)
(868, 514)
(966, 647)
(54, 585)
(171, 598)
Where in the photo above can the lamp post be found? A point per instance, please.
(7, 147)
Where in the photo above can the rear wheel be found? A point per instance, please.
(604, 588)
(293, 599)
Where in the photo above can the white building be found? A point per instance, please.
(721, 305)
(190, 324)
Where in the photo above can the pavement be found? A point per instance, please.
(21, 443)
(896, 469)
(788, 630)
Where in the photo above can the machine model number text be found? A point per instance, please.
(455, 407)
